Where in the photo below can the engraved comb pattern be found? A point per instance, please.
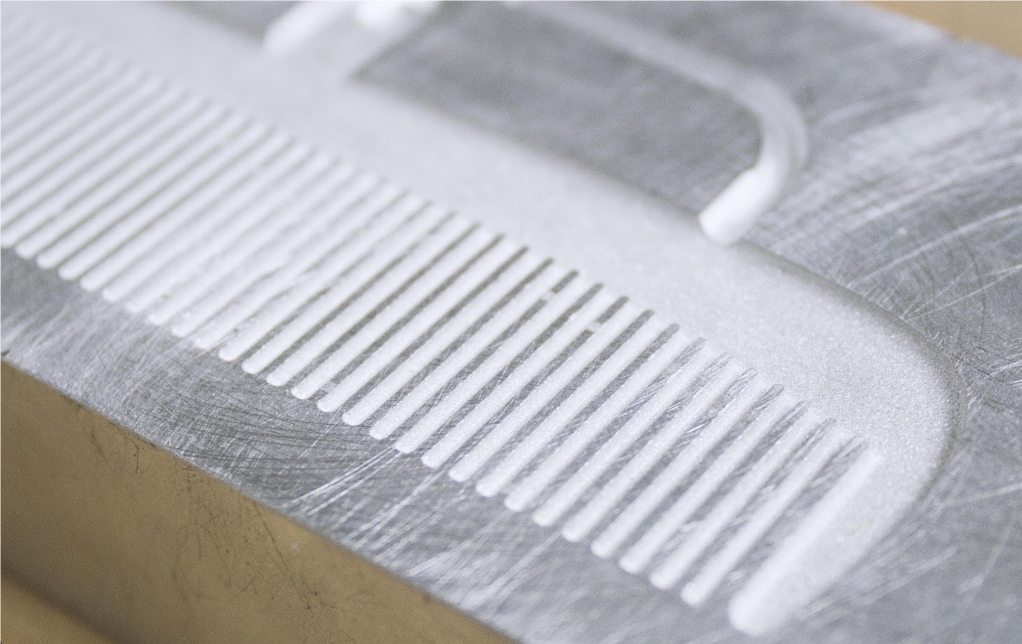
(484, 358)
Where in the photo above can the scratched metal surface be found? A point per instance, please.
(921, 214)
(911, 198)
(926, 174)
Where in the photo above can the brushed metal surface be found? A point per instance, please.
(333, 465)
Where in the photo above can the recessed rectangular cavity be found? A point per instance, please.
(635, 120)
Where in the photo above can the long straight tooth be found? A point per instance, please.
(407, 338)
(474, 368)
(441, 357)
(697, 591)
(45, 175)
(654, 399)
(160, 233)
(506, 376)
(582, 434)
(641, 554)
(681, 560)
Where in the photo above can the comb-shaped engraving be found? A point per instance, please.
(514, 374)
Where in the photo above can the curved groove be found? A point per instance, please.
(784, 138)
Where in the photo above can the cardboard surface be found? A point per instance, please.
(998, 24)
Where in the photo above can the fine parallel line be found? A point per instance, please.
(341, 219)
(256, 253)
(583, 429)
(353, 280)
(19, 79)
(513, 366)
(556, 414)
(170, 198)
(686, 383)
(715, 424)
(677, 423)
(127, 189)
(445, 394)
(383, 326)
(380, 305)
(29, 171)
(787, 554)
(186, 157)
(680, 373)
(35, 44)
(58, 179)
(495, 308)
(90, 175)
(201, 267)
(697, 591)
(65, 135)
(550, 378)
(726, 509)
(769, 413)
(152, 252)
(373, 297)
(379, 216)
(406, 337)
(33, 114)
(28, 136)
(160, 232)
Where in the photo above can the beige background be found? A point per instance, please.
(994, 23)
(29, 619)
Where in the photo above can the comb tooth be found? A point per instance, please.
(715, 425)
(431, 348)
(588, 387)
(357, 295)
(183, 153)
(196, 237)
(30, 181)
(256, 252)
(511, 380)
(402, 305)
(190, 213)
(406, 391)
(697, 591)
(714, 477)
(844, 478)
(169, 198)
(404, 271)
(48, 95)
(414, 329)
(45, 139)
(443, 396)
(313, 272)
(584, 430)
(730, 505)
(553, 377)
(353, 278)
(124, 178)
(331, 224)
(260, 255)
(668, 428)
(683, 371)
